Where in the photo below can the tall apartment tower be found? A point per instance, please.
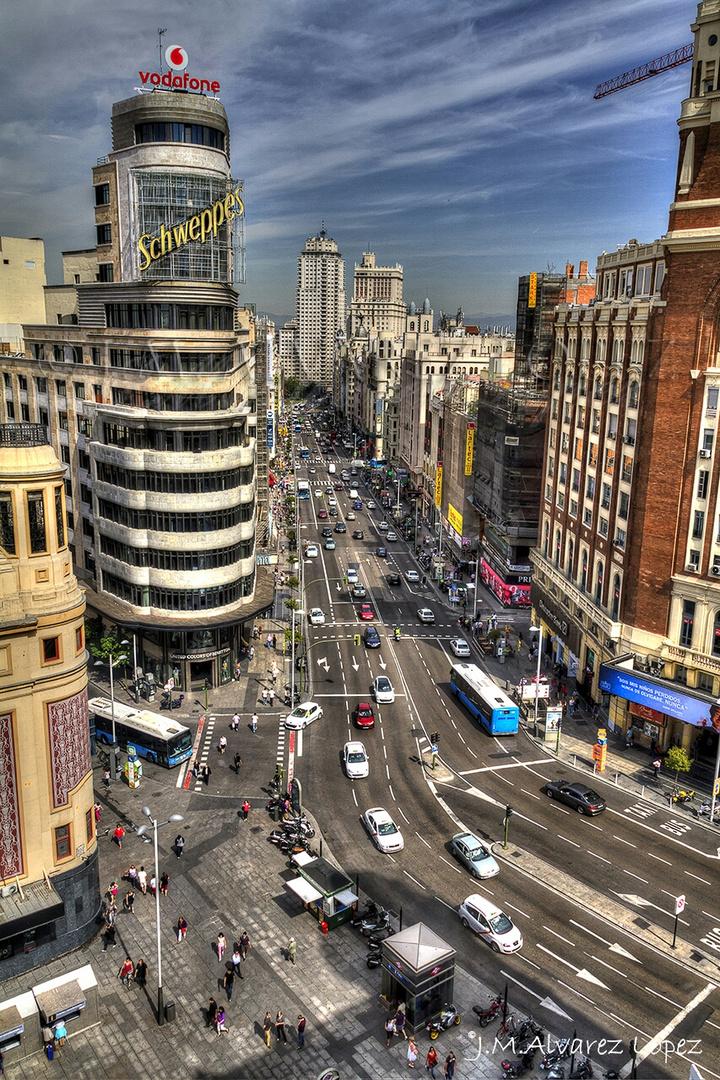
(320, 308)
(149, 397)
(377, 302)
(50, 892)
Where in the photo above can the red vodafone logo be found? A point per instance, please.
(176, 57)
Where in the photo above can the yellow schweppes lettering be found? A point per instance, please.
(199, 227)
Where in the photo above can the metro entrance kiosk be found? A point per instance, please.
(418, 971)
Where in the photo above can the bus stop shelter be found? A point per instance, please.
(418, 969)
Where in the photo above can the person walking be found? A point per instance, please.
(179, 844)
(229, 982)
(109, 937)
(291, 950)
(196, 768)
(125, 972)
(220, 1025)
(235, 722)
(222, 744)
(274, 641)
(254, 723)
(97, 808)
(431, 1061)
(164, 883)
(142, 880)
(267, 1028)
(264, 696)
(106, 778)
(301, 1031)
(113, 891)
(153, 885)
(399, 1023)
(657, 765)
(141, 973)
(245, 809)
(268, 641)
(129, 902)
(221, 946)
(206, 774)
(212, 1010)
(237, 762)
(236, 959)
(271, 696)
(244, 944)
(280, 1027)
(450, 1063)
(182, 928)
(118, 834)
(389, 1030)
(412, 1052)
(132, 876)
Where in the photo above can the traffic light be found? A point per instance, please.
(434, 737)
(357, 639)
(508, 811)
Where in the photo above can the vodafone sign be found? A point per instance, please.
(176, 59)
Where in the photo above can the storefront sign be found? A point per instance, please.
(200, 655)
(513, 595)
(532, 291)
(269, 360)
(661, 697)
(270, 421)
(556, 618)
(199, 227)
(645, 713)
(469, 446)
(438, 483)
(455, 520)
(177, 59)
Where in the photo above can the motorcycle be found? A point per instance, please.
(680, 796)
(171, 703)
(291, 700)
(559, 1051)
(486, 1016)
(371, 925)
(374, 960)
(396, 633)
(520, 1065)
(299, 826)
(582, 1071)
(704, 811)
(448, 1018)
(529, 1035)
(370, 911)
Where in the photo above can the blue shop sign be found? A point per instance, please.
(665, 699)
(270, 417)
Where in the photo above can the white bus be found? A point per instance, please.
(159, 739)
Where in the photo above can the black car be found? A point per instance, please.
(394, 579)
(579, 796)
(326, 531)
(358, 535)
(340, 526)
(381, 553)
(371, 638)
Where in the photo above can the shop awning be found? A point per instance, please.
(304, 890)
(302, 858)
(346, 897)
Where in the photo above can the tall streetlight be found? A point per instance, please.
(537, 630)
(113, 661)
(141, 830)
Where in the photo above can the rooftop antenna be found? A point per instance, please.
(160, 49)
(322, 230)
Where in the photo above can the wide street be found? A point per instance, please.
(597, 953)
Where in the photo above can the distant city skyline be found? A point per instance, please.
(461, 143)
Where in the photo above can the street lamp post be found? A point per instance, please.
(142, 829)
(113, 660)
(715, 775)
(537, 630)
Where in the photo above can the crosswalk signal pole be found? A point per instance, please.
(508, 813)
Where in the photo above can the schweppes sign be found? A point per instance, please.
(469, 445)
(438, 483)
(197, 228)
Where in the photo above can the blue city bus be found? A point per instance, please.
(491, 707)
(157, 738)
(304, 452)
(303, 489)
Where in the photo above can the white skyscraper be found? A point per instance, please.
(320, 307)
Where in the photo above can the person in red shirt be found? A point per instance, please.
(118, 834)
(126, 972)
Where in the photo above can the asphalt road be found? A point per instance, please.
(576, 969)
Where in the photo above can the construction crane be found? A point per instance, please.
(645, 71)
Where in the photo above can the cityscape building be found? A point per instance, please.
(146, 384)
(22, 280)
(320, 310)
(377, 302)
(50, 893)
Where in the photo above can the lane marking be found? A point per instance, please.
(408, 874)
(623, 841)
(555, 934)
(596, 856)
(514, 908)
(422, 838)
(531, 794)
(513, 979)
(451, 865)
(574, 991)
(604, 964)
(636, 876)
(497, 768)
(659, 859)
(561, 837)
(651, 1046)
(704, 881)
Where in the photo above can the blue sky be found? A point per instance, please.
(460, 140)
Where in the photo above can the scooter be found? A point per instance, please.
(520, 1065)
(680, 796)
(171, 703)
(371, 925)
(448, 1018)
(704, 811)
(299, 826)
(295, 700)
(582, 1071)
(370, 911)
(529, 1032)
(486, 1016)
(559, 1051)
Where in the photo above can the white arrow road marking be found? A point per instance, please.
(657, 1040)
(382, 663)
(322, 662)
(548, 1003)
(623, 952)
(632, 898)
(355, 664)
(338, 586)
(582, 973)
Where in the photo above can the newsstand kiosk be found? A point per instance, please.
(418, 971)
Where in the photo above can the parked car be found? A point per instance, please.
(487, 920)
(581, 797)
(425, 615)
(382, 830)
(383, 690)
(473, 854)
(364, 716)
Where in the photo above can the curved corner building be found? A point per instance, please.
(150, 396)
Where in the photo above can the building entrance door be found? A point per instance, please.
(201, 674)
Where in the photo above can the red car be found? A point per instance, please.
(366, 612)
(322, 514)
(364, 716)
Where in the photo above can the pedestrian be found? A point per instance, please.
(182, 929)
(132, 876)
(291, 950)
(389, 1030)
(118, 834)
(179, 844)
(244, 944)
(412, 1052)
(301, 1031)
(399, 1023)
(264, 696)
(220, 945)
(220, 1025)
(229, 982)
(245, 809)
(111, 913)
(236, 959)
(251, 652)
(254, 723)
(237, 672)
(212, 1010)
(142, 880)
(237, 762)
(109, 937)
(235, 722)
(112, 891)
(206, 773)
(274, 672)
(153, 885)
(280, 1027)
(268, 640)
(129, 902)
(222, 744)
(431, 1061)
(106, 778)
(596, 712)
(274, 641)
(141, 972)
(125, 972)
(271, 695)
(195, 768)
(60, 1034)
(164, 882)
(267, 1028)
(657, 765)
(450, 1063)
(97, 812)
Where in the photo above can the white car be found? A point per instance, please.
(352, 577)
(317, 617)
(318, 494)
(311, 551)
(302, 715)
(412, 575)
(383, 690)
(483, 916)
(382, 830)
(350, 516)
(355, 760)
(460, 647)
(425, 615)
(391, 537)
(353, 494)
(332, 501)
(371, 504)
(383, 526)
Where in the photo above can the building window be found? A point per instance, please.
(694, 560)
(10, 410)
(616, 598)
(598, 389)
(546, 544)
(41, 385)
(566, 419)
(63, 848)
(79, 390)
(573, 508)
(659, 275)
(609, 461)
(105, 272)
(7, 523)
(603, 526)
(583, 572)
(79, 639)
(712, 401)
(708, 439)
(686, 623)
(621, 539)
(606, 494)
(571, 557)
(627, 468)
(582, 381)
(716, 635)
(598, 584)
(90, 825)
(706, 682)
(104, 234)
(576, 480)
(634, 395)
(59, 519)
(102, 194)
(623, 505)
(593, 454)
(643, 280)
(578, 452)
(698, 524)
(587, 517)
(51, 649)
(563, 473)
(36, 522)
(612, 425)
(615, 391)
(558, 545)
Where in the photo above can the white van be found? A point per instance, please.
(354, 493)
(331, 468)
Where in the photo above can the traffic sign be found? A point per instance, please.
(679, 904)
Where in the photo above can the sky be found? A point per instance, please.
(460, 140)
